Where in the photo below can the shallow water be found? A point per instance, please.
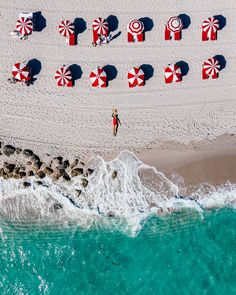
(176, 254)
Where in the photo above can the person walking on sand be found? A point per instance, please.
(115, 121)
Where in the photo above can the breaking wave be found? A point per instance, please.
(137, 192)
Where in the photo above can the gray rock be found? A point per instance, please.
(48, 171)
(2, 172)
(27, 153)
(90, 171)
(66, 177)
(41, 174)
(30, 173)
(84, 182)
(114, 174)
(78, 192)
(74, 163)
(18, 150)
(35, 158)
(8, 168)
(16, 169)
(25, 184)
(58, 160)
(22, 174)
(37, 165)
(57, 206)
(8, 150)
(76, 172)
(58, 172)
(65, 164)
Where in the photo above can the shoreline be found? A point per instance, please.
(211, 161)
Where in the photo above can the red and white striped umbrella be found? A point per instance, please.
(210, 25)
(66, 28)
(21, 72)
(100, 26)
(63, 76)
(211, 66)
(135, 27)
(24, 25)
(136, 77)
(98, 77)
(174, 24)
(173, 73)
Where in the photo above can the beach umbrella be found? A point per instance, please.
(136, 77)
(173, 74)
(100, 26)
(135, 27)
(211, 67)
(63, 76)
(24, 25)
(98, 77)
(66, 28)
(210, 26)
(174, 24)
(21, 72)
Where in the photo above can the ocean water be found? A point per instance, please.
(140, 233)
(178, 254)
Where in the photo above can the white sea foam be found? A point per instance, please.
(137, 192)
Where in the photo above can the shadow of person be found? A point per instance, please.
(116, 36)
(186, 20)
(80, 26)
(148, 71)
(184, 67)
(39, 21)
(222, 21)
(221, 60)
(111, 72)
(35, 67)
(76, 72)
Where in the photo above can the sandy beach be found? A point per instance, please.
(76, 122)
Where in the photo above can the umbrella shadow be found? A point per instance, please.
(184, 67)
(148, 71)
(111, 72)
(221, 60)
(76, 72)
(39, 21)
(35, 67)
(148, 23)
(80, 26)
(186, 20)
(222, 21)
(113, 23)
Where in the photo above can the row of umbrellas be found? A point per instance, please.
(136, 76)
(135, 28)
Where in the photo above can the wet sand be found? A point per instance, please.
(212, 161)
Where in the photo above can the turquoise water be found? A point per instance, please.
(179, 254)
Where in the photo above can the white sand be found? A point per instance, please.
(77, 121)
